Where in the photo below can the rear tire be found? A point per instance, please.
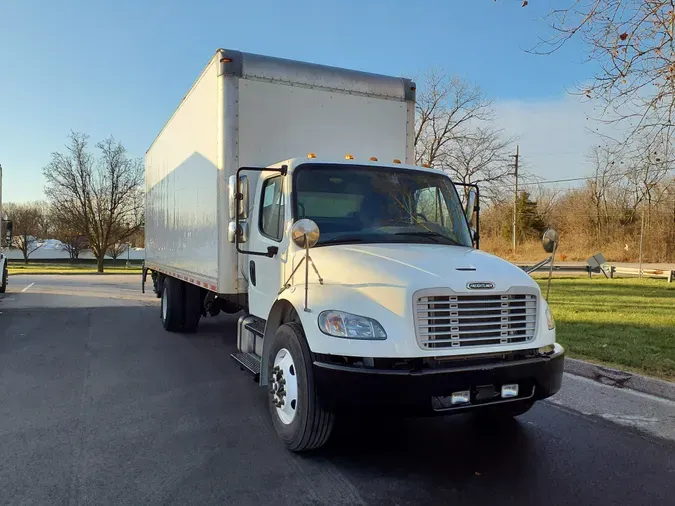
(171, 307)
(301, 423)
(193, 307)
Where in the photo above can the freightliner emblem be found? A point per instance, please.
(480, 286)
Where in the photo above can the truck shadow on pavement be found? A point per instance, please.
(447, 452)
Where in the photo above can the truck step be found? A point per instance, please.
(248, 361)
(257, 326)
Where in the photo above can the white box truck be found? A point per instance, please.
(285, 191)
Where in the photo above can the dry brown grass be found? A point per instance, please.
(571, 249)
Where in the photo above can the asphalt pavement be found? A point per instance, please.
(98, 405)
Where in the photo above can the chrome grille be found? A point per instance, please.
(453, 320)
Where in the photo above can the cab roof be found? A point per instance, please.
(292, 163)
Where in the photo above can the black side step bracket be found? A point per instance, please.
(256, 326)
(249, 362)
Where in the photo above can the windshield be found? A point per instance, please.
(378, 205)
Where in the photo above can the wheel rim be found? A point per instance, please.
(285, 386)
(165, 305)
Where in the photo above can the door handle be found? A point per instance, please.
(251, 271)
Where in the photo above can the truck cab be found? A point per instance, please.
(394, 308)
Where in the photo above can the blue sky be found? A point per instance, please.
(120, 67)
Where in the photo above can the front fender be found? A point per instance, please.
(384, 303)
(365, 300)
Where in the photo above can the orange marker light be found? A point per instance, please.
(373, 158)
(396, 160)
(311, 155)
(226, 60)
(349, 157)
(426, 165)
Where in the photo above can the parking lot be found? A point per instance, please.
(98, 405)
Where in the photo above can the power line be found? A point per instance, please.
(585, 178)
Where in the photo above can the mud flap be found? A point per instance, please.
(144, 273)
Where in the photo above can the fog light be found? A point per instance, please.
(546, 350)
(462, 397)
(509, 391)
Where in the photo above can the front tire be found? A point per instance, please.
(171, 307)
(296, 413)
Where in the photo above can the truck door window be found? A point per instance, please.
(272, 209)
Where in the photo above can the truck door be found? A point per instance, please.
(267, 228)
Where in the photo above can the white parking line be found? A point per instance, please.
(27, 287)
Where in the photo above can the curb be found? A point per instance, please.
(621, 379)
(74, 274)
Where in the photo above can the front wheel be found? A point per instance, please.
(297, 415)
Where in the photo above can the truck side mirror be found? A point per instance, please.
(305, 233)
(238, 208)
(471, 199)
(550, 240)
(237, 228)
(238, 211)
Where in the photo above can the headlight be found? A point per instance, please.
(549, 318)
(340, 324)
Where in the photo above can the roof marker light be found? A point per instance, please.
(426, 165)
(396, 160)
(311, 155)
(349, 157)
(226, 60)
(373, 158)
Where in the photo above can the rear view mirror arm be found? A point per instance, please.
(476, 208)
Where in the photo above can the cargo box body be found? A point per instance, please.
(252, 110)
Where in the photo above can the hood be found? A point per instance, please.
(415, 266)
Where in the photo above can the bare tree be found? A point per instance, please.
(453, 132)
(482, 157)
(606, 160)
(66, 229)
(447, 111)
(632, 45)
(116, 250)
(650, 168)
(102, 196)
(29, 226)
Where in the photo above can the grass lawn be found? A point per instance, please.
(40, 268)
(625, 323)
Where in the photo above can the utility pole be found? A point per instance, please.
(642, 235)
(515, 196)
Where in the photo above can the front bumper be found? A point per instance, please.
(427, 391)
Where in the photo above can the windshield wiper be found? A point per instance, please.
(341, 240)
(431, 235)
